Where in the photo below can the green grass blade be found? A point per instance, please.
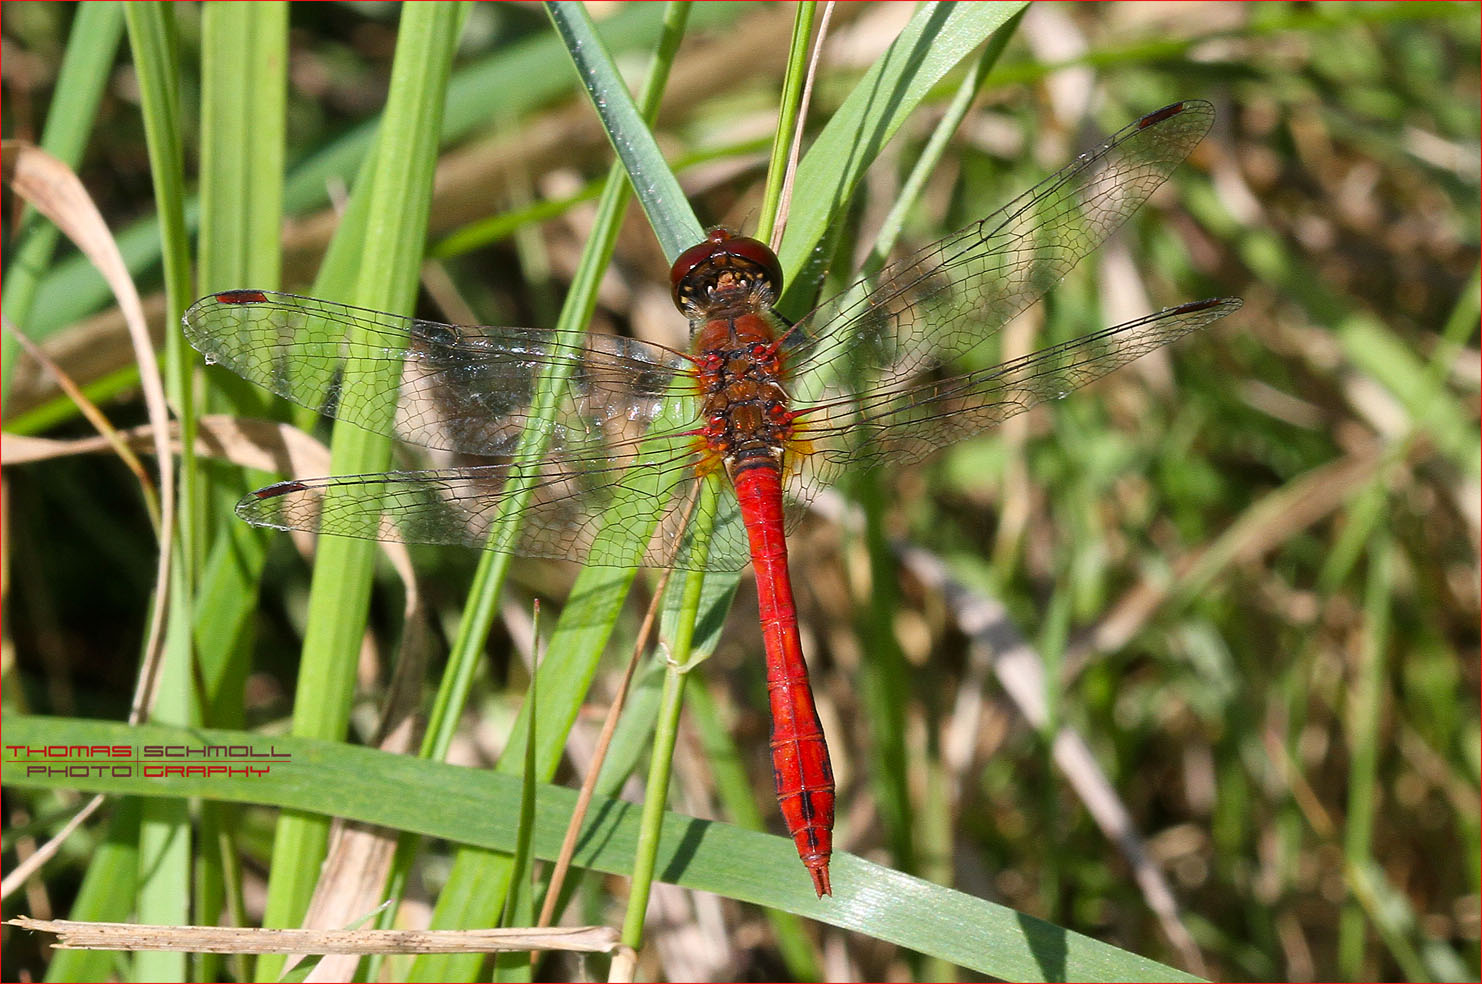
(935, 40)
(1364, 729)
(475, 889)
(657, 190)
(164, 826)
(244, 79)
(399, 192)
(678, 664)
(941, 136)
(481, 807)
(74, 109)
(519, 906)
(107, 894)
(244, 53)
(787, 118)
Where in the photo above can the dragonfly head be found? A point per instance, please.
(723, 270)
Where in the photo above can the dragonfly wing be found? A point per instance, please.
(603, 512)
(936, 307)
(908, 423)
(455, 388)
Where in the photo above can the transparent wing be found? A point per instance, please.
(928, 310)
(906, 424)
(455, 388)
(472, 390)
(876, 371)
(603, 511)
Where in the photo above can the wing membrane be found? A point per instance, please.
(936, 307)
(909, 423)
(457, 388)
(877, 372)
(604, 511)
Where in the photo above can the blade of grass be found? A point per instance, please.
(107, 893)
(941, 137)
(1364, 730)
(787, 132)
(164, 827)
(84, 72)
(152, 41)
(657, 190)
(519, 909)
(935, 40)
(476, 884)
(666, 730)
(399, 193)
(243, 78)
(481, 807)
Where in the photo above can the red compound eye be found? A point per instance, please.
(722, 250)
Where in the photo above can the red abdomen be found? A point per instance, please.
(800, 765)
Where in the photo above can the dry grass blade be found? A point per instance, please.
(589, 783)
(51, 187)
(243, 441)
(784, 202)
(18, 875)
(219, 939)
(94, 416)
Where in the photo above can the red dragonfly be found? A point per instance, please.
(628, 432)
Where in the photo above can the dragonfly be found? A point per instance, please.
(622, 452)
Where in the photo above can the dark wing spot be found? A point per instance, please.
(282, 488)
(242, 297)
(1159, 115)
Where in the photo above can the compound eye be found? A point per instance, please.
(749, 261)
(763, 266)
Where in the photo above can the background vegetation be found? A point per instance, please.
(1247, 566)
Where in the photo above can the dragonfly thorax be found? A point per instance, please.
(744, 405)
